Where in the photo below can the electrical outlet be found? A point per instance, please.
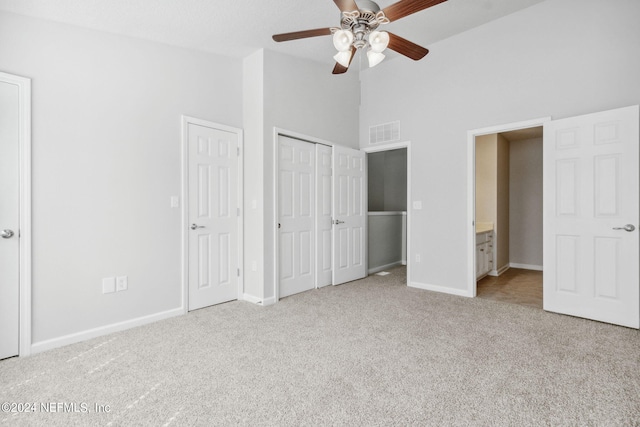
(418, 258)
(175, 201)
(108, 285)
(254, 266)
(122, 283)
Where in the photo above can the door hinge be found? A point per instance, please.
(238, 151)
(238, 272)
(238, 211)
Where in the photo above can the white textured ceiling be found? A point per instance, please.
(240, 27)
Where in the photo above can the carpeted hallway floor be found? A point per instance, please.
(371, 352)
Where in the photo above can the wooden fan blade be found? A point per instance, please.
(341, 69)
(407, 7)
(406, 48)
(346, 5)
(302, 34)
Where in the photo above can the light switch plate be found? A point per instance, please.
(108, 285)
(417, 205)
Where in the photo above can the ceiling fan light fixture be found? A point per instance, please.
(379, 40)
(343, 58)
(342, 40)
(374, 57)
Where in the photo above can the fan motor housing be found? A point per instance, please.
(368, 5)
(364, 20)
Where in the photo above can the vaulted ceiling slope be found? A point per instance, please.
(239, 27)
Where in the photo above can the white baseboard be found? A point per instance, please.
(269, 301)
(442, 289)
(526, 266)
(252, 299)
(259, 301)
(41, 346)
(498, 272)
(384, 267)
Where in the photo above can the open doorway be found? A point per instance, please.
(506, 193)
(590, 212)
(509, 216)
(388, 216)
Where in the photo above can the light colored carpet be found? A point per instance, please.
(371, 352)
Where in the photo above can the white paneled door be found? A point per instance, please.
(591, 215)
(324, 201)
(349, 214)
(213, 215)
(296, 215)
(9, 219)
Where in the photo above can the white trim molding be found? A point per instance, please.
(24, 99)
(384, 267)
(526, 266)
(471, 189)
(259, 301)
(186, 121)
(103, 330)
(499, 271)
(441, 289)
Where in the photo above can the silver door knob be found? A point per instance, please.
(196, 226)
(628, 227)
(6, 234)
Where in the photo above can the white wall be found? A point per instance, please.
(385, 240)
(375, 181)
(559, 58)
(525, 202)
(387, 180)
(253, 115)
(486, 178)
(395, 180)
(106, 159)
(501, 229)
(303, 97)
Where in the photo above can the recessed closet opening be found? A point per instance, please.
(387, 209)
(508, 216)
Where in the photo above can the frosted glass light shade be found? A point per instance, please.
(342, 40)
(374, 57)
(379, 40)
(343, 58)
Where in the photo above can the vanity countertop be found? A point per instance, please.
(483, 227)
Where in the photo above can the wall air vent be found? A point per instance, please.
(387, 132)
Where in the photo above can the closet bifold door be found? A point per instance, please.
(323, 215)
(296, 215)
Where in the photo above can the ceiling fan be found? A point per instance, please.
(359, 21)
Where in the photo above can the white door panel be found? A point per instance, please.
(591, 187)
(9, 219)
(213, 216)
(297, 215)
(323, 215)
(349, 200)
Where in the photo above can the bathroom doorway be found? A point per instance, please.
(508, 216)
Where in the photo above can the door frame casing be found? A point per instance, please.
(390, 147)
(24, 230)
(471, 290)
(184, 222)
(277, 132)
